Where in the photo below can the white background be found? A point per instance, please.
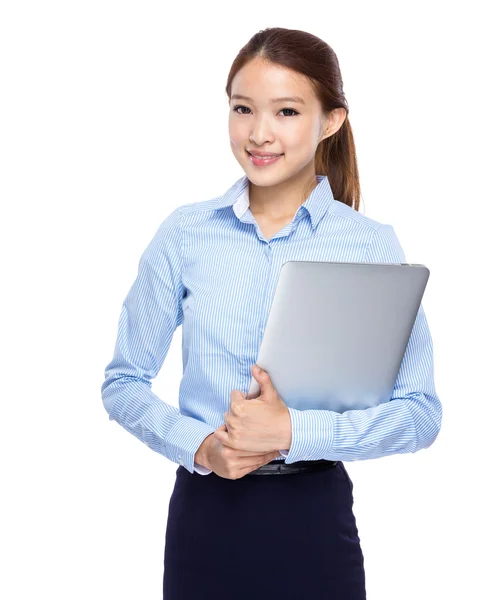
(109, 112)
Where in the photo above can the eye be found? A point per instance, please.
(236, 107)
(282, 110)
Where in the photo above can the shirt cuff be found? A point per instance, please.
(312, 435)
(202, 470)
(183, 440)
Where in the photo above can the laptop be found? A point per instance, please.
(337, 332)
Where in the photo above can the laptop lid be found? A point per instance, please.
(337, 332)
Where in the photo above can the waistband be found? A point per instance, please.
(278, 467)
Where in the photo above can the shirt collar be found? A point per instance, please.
(316, 204)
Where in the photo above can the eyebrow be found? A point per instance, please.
(273, 100)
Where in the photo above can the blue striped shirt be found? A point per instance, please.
(210, 268)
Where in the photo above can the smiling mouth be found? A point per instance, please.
(264, 157)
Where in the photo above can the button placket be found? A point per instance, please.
(268, 253)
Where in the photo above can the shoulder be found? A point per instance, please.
(353, 218)
(201, 206)
(379, 239)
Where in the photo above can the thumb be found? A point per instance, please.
(263, 379)
(221, 434)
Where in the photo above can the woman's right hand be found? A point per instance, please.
(228, 462)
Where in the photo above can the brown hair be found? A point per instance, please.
(307, 54)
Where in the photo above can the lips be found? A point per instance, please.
(263, 155)
(264, 161)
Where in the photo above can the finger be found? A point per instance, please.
(253, 454)
(222, 436)
(263, 457)
(252, 467)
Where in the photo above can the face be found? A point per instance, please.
(291, 128)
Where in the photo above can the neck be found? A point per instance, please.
(280, 201)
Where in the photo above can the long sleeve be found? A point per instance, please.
(410, 421)
(149, 316)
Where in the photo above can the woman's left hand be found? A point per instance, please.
(259, 425)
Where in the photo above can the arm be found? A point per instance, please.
(149, 316)
(410, 421)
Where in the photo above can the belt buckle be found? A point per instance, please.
(278, 467)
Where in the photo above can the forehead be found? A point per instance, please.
(261, 81)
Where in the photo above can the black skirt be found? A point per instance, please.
(282, 537)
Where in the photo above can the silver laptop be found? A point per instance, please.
(337, 332)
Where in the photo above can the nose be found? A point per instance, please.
(261, 131)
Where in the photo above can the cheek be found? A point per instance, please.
(300, 139)
(236, 136)
(235, 132)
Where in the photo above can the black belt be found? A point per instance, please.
(279, 467)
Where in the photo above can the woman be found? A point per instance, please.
(234, 531)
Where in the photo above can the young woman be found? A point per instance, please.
(262, 503)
